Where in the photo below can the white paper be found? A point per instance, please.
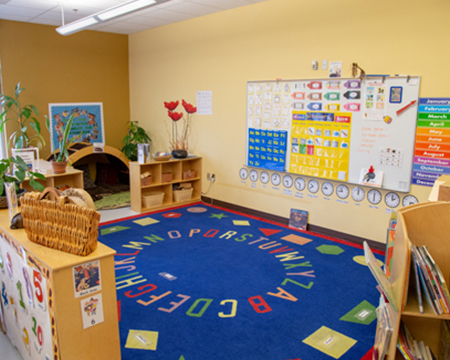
(92, 310)
(87, 278)
(204, 102)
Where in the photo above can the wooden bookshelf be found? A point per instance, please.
(421, 224)
(156, 168)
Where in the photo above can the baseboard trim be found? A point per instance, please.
(285, 221)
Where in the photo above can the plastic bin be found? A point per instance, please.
(152, 198)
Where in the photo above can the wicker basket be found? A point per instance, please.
(57, 225)
(182, 194)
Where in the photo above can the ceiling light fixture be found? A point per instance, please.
(104, 15)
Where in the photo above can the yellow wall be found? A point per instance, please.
(280, 39)
(89, 66)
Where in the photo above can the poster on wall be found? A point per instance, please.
(88, 121)
(432, 153)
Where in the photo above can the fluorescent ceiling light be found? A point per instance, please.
(76, 26)
(124, 9)
(105, 15)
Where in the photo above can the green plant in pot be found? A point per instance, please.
(135, 135)
(24, 115)
(61, 155)
(20, 173)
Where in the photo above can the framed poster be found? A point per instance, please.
(88, 121)
(29, 155)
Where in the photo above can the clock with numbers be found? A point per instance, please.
(300, 184)
(392, 199)
(327, 188)
(409, 200)
(374, 196)
(253, 175)
(358, 194)
(342, 191)
(287, 181)
(313, 186)
(243, 173)
(276, 179)
(264, 176)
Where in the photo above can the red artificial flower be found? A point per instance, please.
(189, 108)
(171, 105)
(175, 116)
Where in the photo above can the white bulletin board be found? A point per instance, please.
(335, 128)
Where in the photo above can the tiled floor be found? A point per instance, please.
(7, 349)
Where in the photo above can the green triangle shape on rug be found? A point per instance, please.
(182, 358)
(269, 232)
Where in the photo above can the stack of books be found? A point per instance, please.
(429, 282)
(412, 349)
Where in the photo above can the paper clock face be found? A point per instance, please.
(264, 176)
(374, 196)
(243, 173)
(253, 175)
(342, 191)
(300, 184)
(276, 179)
(287, 181)
(313, 186)
(409, 200)
(392, 199)
(327, 188)
(358, 194)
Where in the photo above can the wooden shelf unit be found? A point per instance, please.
(72, 177)
(61, 318)
(421, 224)
(156, 169)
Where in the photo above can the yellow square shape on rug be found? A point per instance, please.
(141, 339)
(330, 342)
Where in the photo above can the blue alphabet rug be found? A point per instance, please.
(201, 282)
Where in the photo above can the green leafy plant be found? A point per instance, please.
(19, 175)
(135, 135)
(24, 116)
(62, 154)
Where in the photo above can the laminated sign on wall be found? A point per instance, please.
(333, 128)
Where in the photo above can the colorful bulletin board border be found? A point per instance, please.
(432, 150)
(88, 122)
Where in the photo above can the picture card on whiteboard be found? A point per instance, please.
(371, 177)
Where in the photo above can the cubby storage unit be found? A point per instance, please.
(422, 225)
(156, 169)
(72, 178)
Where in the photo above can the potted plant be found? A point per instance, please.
(61, 155)
(179, 143)
(135, 135)
(21, 172)
(24, 116)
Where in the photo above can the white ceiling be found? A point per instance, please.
(48, 12)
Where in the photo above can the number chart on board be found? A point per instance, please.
(334, 128)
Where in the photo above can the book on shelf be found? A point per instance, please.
(411, 348)
(383, 331)
(416, 283)
(434, 287)
(379, 275)
(439, 275)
